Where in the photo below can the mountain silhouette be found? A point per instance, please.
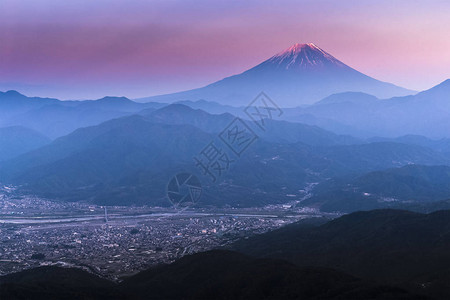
(301, 74)
(129, 160)
(54, 118)
(398, 247)
(216, 274)
(357, 114)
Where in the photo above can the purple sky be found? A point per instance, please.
(89, 49)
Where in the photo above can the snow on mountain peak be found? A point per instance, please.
(304, 56)
(298, 47)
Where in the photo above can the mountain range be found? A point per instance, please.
(54, 118)
(364, 115)
(17, 140)
(359, 114)
(301, 74)
(129, 160)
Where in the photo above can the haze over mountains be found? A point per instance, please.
(129, 160)
(301, 74)
(16, 140)
(117, 151)
(54, 118)
(425, 113)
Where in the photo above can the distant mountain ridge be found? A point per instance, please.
(426, 113)
(129, 160)
(276, 130)
(55, 118)
(301, 74)
(17, 140)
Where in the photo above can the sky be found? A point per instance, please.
(84, 49)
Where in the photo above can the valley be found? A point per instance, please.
(36, 232)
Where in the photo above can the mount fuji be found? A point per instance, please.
(301, 74)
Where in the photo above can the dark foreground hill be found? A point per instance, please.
(380, 254)
(209, 275)
(56, 283)
(230, 275)
(402, 248)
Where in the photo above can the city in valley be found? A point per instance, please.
(118, 241)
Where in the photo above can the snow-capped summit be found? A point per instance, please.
(304, 56)
(300, 74)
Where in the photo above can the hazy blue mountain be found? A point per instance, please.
(397, 187)
(351, 106)
(17, 140)
(275, 130)
(213, 107)
(341, 113)
(55, 118)
(425, 113)
(122, 104)
(13, 103)
(95, 160)
(131, 159)
(58, 120)
(350, 98)
(440, 145)
(301, 74)
(180, 114)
